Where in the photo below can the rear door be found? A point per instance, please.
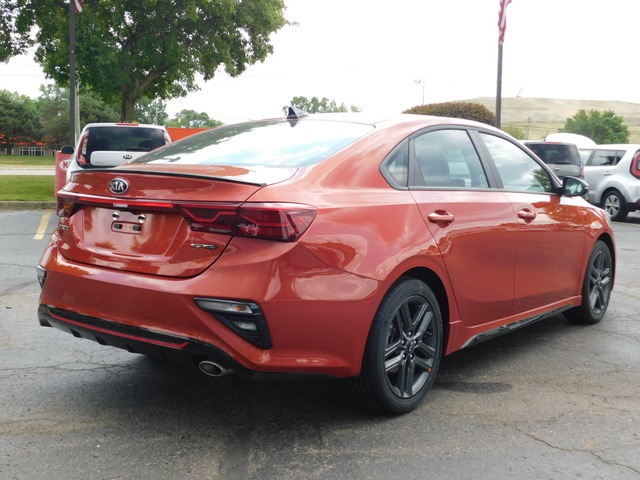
(600, 167)
(473, 225)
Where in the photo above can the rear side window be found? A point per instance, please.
(277, 143)
(556, 153)
(124, 139)
(603, 158)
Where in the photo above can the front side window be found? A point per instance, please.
(447, 158)
(518, 171)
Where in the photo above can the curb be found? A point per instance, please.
(28, 205)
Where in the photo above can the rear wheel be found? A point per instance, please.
(615, 205)
(403, 349)
(596, 288)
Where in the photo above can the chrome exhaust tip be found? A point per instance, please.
(213, 369)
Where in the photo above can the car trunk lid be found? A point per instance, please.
(173, 222)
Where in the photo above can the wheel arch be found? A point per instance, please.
(434, 282)
(608, 241)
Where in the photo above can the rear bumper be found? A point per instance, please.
(318, 318)
(133, 339)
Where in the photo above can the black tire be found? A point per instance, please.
(615, 205)
(403, 350)
(596, 287)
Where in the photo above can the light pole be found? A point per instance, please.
(418, 82)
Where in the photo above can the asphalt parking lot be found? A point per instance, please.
(552, 401)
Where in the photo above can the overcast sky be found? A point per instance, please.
(371, 53)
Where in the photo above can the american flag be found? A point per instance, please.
(79, 3)
(502, 20)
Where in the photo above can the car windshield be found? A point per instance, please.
(556, 153)
(277, 143)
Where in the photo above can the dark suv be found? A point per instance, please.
(563, 158)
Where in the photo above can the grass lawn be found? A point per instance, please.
(27, 188)
(27, 160)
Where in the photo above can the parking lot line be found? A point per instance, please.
(42, 228)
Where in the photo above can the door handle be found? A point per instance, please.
(527, 215)
(440, 216)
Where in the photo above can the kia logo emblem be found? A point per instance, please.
(118, 186)
(127, 157)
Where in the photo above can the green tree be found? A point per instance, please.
(192, 119)
(601, 127)
(515, 132)
(53, 110)
(153, 48)
(320, 105)
(150, 111)
(19, 120)
(469, 110)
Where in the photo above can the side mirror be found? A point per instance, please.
(574, 187)
(67, 149)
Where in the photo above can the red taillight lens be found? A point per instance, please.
(271, 221)
(274, 221)
(635, 165)
(209, 217)
(81, 149)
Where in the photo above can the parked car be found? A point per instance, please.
(338, 245)
(563, 158)
(111, 144)
(613, 175)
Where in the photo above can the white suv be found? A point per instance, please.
(613, 174)
(111, 144)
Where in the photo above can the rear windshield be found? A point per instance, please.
(129, 139)
(278, 143)
(556, 153)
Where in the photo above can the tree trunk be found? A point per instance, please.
(126, 109)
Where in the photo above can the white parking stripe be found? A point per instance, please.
(42, 228)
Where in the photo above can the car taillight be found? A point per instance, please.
(81, 150)
(635, 165)
(271, 221)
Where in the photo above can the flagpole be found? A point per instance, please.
(72, 74)
(502, 26)
(499, 89)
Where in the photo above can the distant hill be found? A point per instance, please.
(548, 115)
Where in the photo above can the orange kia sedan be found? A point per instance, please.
(344, 245)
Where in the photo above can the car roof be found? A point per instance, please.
(617, 146)
(386, 120)
(122, 124)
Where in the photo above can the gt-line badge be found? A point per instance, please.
(118, 186)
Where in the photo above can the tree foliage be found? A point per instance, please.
(152, 48)
(467, 110)
(53, 111)
(19, 121)
(150, 111)
(601, 127)
(515, 132)
(322, 105)
(192, 119)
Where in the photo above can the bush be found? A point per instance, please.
(467, 110)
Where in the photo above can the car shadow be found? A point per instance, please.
(156, 389)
